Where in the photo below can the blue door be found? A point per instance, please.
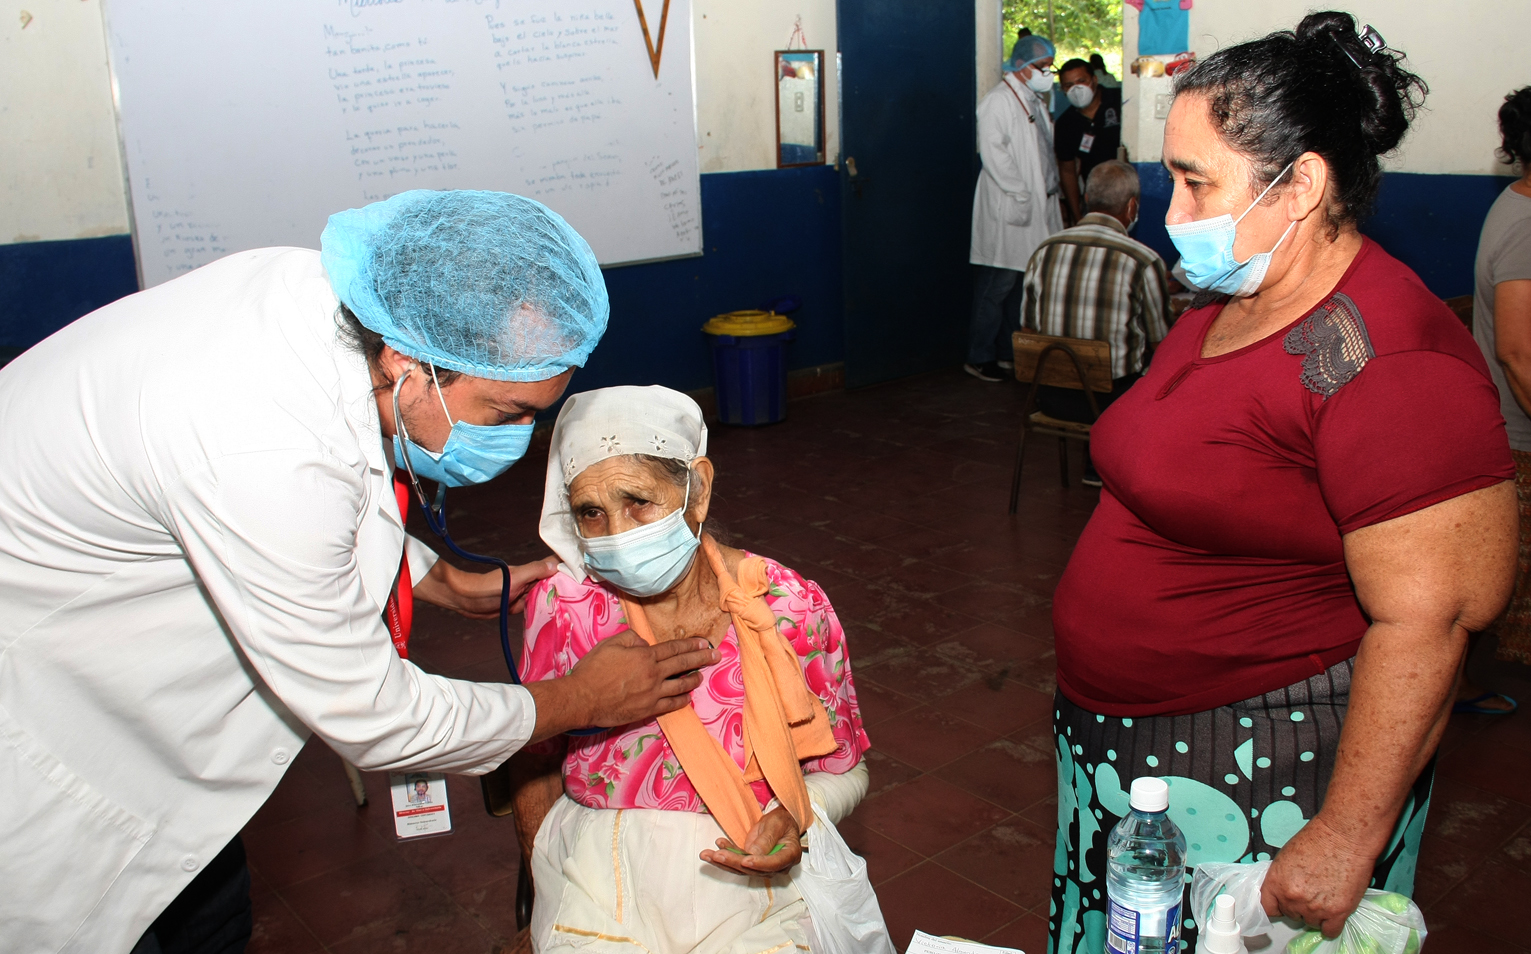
(910, 164)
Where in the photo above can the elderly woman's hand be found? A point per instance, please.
(1318, 878)
(776, 828)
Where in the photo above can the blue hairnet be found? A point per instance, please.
(1027, 50)
(491, 284)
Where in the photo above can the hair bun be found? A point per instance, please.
(1389, 95)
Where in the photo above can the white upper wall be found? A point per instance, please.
(1471, 52)
(62, 174)
(735, 78)
(60, 168)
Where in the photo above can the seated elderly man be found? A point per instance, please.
(616, 824)
(1094, 281)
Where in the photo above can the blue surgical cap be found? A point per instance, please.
(491, 284)
(1027, 50)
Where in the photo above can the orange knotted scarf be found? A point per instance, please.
(784, 722)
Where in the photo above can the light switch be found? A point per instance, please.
(1162, 104)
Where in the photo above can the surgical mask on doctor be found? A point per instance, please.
(472, 454)
(1081, 95)
(1206, 251)
(646, 560)
(1040, 80)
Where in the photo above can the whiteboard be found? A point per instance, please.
(246, 123)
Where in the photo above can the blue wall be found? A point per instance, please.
(767, 234)
(46, 285)
(1428, 222)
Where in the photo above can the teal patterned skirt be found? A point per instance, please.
(1243, 779)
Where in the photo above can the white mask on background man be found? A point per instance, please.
(1081, 95)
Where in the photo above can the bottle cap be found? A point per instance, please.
(1221, 934)
(1150, 794)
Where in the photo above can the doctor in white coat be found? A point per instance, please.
(1015, 205)
(199, 532)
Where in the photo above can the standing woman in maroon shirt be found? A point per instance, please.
(1306, 508)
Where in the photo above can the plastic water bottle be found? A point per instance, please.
(1145, 875)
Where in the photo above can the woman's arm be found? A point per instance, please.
(536, 781)
(1426, 580)
(1512, 337)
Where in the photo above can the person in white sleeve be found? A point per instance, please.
(201, 536)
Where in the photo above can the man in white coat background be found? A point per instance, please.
(201, 530)
(1015, 205)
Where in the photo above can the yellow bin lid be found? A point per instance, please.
(748, 324)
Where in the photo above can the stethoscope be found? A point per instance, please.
(436, 518)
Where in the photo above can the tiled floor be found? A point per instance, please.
(893, 498)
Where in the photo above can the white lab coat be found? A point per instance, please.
(1012, 211)
(198, 533)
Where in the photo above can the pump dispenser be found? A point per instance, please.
(1220, 935)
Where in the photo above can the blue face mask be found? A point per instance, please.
(472, 454)
(646, 560)
(1206, 252)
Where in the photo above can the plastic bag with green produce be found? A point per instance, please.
(1383, 923)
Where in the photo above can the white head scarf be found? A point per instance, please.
(612, 422)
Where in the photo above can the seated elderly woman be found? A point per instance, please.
(676, 835)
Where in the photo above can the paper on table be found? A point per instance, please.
(923, 943)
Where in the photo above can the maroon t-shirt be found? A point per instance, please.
(1212, 570)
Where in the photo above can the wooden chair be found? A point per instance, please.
(1077, 363)
(1462, 307)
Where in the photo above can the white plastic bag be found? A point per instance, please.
(1383, 923)
(833, 882)
(1241, 881)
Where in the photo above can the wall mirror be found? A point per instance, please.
(799, 108)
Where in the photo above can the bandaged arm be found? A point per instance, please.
(836, 796)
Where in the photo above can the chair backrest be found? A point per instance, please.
(1057, 370)
(1462, 307)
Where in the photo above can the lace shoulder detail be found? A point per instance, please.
(1335, 344)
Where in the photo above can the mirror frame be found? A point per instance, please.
(820, 132)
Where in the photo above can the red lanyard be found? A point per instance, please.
(1029, 118)
(399, 613)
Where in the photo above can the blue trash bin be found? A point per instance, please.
(749, 362)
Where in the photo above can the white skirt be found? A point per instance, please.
(629, 881)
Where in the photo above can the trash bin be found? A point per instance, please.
(749, 362)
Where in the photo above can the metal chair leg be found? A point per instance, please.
(1015, 478)
(525, 895)
(1063, 460)
(358, 790)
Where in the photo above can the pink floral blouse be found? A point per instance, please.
(633, 766)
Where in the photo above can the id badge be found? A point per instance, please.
(1086, 141)
(419, 804)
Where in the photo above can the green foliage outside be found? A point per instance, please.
(1082, 27)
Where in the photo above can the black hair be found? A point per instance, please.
(1515, 127)
(358, 338)
(1314, 89)
(1075, 64)
(1097, 59)
(1023, 33)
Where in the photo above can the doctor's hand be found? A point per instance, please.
(760, 854)
(622, 680)
(477, 595)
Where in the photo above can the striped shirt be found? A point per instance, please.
(1093, 281)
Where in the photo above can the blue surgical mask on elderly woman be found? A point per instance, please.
(1206, 251)
(646, 560)
(472, 454)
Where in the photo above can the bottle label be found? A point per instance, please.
(1121, 928)
(1124, 928)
